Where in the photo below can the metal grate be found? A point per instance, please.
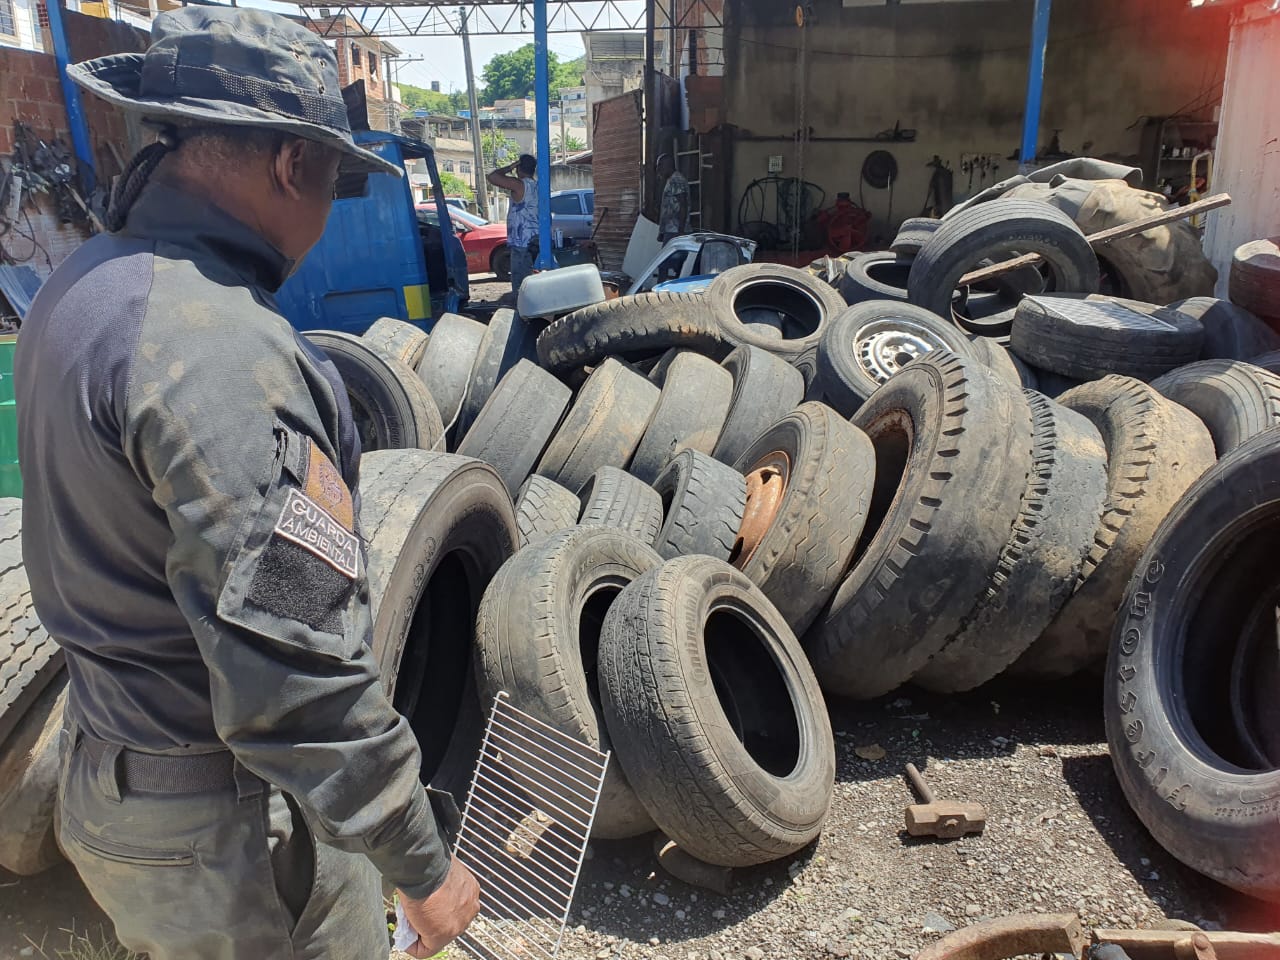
(524, 833)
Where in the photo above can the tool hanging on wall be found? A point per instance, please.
(880, 172)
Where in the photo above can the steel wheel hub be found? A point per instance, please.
(884, 347)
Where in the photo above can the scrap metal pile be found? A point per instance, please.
(665, 524)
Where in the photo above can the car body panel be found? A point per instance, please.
(479, 237)
(572, 213)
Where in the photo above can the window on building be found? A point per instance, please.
(448, 166)
(373, 64)
(8, 27)
(464, 168)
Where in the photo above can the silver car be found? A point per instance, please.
(572, 212)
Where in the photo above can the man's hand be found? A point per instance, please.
(446, 913)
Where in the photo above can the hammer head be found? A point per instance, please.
(945, 819)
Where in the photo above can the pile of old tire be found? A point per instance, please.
(1191, 678)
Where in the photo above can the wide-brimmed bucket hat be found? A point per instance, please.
(233, 67)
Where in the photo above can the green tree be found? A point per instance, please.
(454, 186)
(497, 149)
(570, 144)
(419, 98)
(510, 76)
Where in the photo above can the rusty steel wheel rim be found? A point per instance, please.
(766, 484)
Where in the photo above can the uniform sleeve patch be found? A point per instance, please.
(303, 521)
(324, 485)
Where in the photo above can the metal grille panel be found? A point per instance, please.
(524, 833)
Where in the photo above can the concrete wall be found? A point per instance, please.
(956, 73)
(1248, 160)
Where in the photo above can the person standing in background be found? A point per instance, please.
(522, 216)
(673, 221)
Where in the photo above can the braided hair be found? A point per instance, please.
(129, 185)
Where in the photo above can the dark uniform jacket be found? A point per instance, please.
(189, 529)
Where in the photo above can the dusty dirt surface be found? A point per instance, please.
(1059, 837)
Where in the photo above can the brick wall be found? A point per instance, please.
(30, 92)
(619, 150)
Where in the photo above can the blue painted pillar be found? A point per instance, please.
(71, 98)
(1035, 81)
(542, 95)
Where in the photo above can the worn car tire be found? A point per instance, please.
(391, 406)
(517, 422)
(603, 427)
(799, 304)
(537, 637)
(630, 328)
(614, 498)
(1230, 332)
(507, 340)
(543, 507)
(1255, 279)
(500, 263)
(1004, 363)
(953, 451)
(765, 389)
(29, 657)
(1097, 336)
(437, 528)
(29, 764)
(809, 482)
(994, 231)
(402, 340)
(446, 363)
(874, 276)
(870, 342)
(716, 715)
(702, 505)
(1188, 685)
(1235, 400)
(1040, 562)
(913, 234)
(690, 414)
(1155, 450)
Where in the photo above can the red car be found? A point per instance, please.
(484, 243)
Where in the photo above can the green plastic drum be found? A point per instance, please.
(10, 477)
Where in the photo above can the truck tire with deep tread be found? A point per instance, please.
(702, 502)
(995, 231)
(437, 528)
(517, 423)
(402, 340)
(1006, 365)
(953, 452)
(1097, 336)
(1234, 400)
(826, 468)
(603, 427)
(716, 716)
(630, 328)
(537, 636)
(543, 507)
(29, 763)
(1189, 689)
(1040, 562)
(29, 657)
(614, 498)
(391, 406)
(1155, 450)
(765, 389)
(799, 304)
(446, 363)
(690, 414)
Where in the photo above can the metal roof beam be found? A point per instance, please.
(485, 17)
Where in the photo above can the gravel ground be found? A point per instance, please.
(1059, 837)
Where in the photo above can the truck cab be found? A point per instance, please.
(373, 260)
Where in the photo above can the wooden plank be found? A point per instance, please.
(1104, 236)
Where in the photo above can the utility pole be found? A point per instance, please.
(482, 185)
(564, 147)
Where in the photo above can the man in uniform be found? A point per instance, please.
(234, 777)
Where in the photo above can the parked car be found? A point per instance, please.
(572, 212)
(484, 243)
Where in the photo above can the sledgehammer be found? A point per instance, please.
(946, 820)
